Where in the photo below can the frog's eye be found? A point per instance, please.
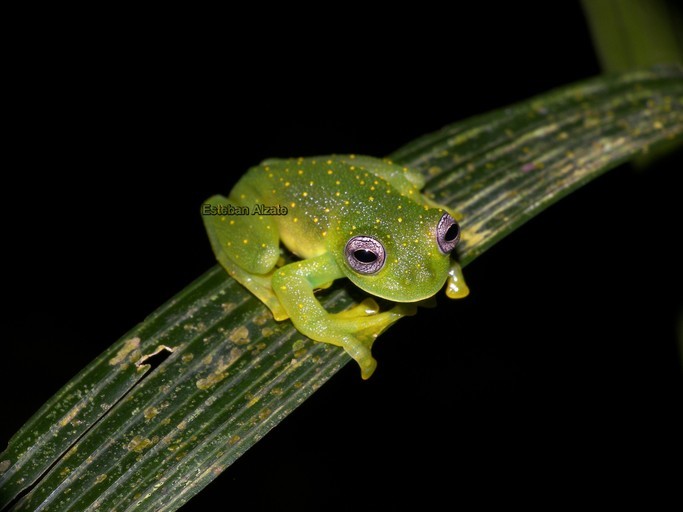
(364, 254)
(447, 233)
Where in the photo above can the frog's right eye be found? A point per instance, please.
(365, 254)
(447, 233)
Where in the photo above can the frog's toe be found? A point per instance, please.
(367, 307)
(367, 368)
(362, 355)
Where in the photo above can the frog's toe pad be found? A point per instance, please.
(367, 367)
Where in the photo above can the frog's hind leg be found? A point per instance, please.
(246, 245)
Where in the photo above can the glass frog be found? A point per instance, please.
(354, 217)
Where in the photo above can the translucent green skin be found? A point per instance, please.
(329, 200)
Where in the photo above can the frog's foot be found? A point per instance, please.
(456, 287)
(364, 330)
(368, 327)
(361, 354)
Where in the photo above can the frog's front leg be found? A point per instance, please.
(355, 330)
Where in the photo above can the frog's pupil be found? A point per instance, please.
(364, 256)
(452, 233)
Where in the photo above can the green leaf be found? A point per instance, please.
(122, 434)
(630, 34)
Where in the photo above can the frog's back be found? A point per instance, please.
(330, 181)
(317, 190)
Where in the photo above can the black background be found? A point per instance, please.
(558, 373)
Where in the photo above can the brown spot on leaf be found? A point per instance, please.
(128, 347)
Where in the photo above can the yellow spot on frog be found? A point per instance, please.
(128, 347)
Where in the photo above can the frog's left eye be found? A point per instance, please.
(447, 233)
(365, 254)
